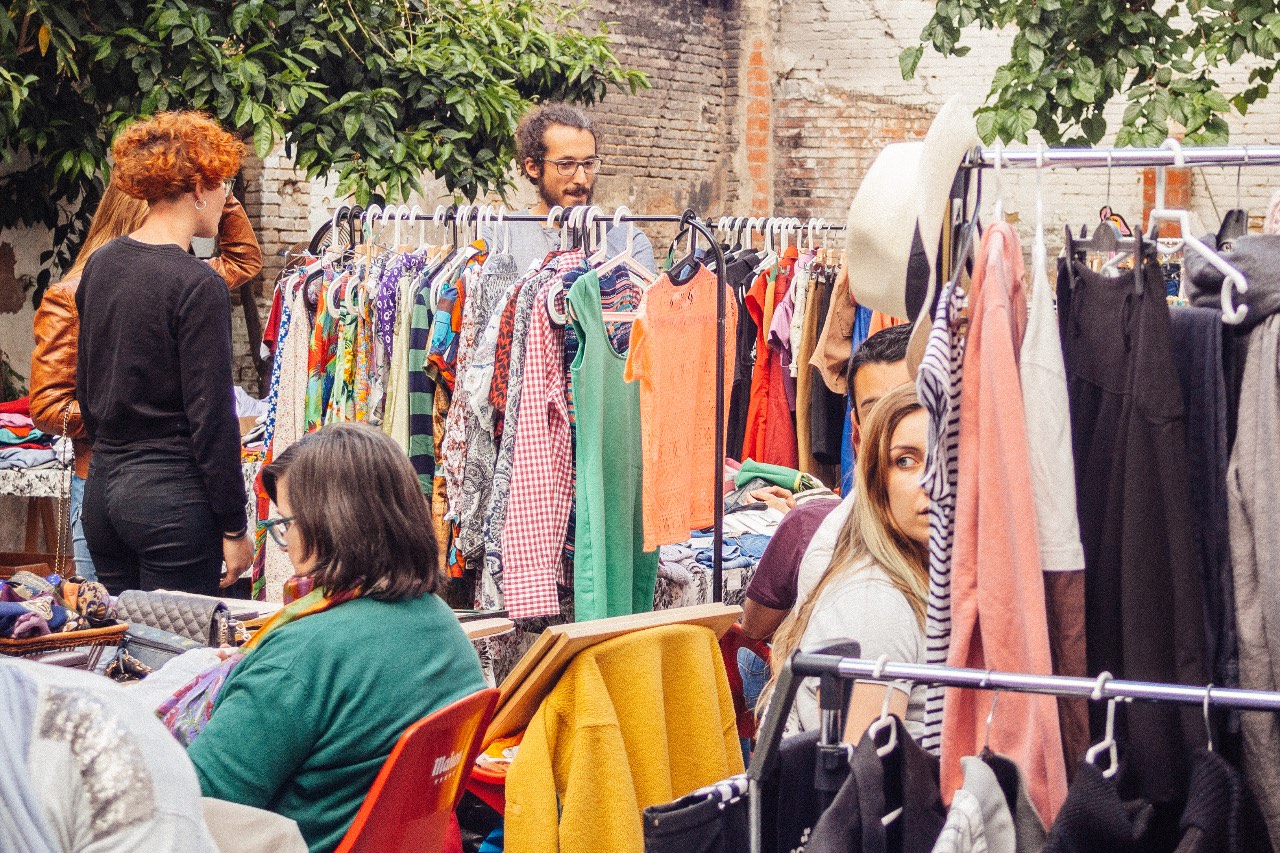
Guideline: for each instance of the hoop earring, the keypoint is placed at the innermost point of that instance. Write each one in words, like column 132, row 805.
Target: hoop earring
column 201, row 205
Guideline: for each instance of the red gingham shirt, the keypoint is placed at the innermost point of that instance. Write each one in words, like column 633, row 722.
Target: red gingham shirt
column 541, row 474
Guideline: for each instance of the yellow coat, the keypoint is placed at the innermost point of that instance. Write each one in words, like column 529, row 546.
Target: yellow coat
column 635, row 721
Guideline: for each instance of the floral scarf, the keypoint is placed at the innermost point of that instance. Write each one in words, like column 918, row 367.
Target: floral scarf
column 188, row 710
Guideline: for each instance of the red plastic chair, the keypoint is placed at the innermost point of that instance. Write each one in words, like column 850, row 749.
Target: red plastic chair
column 410, row 808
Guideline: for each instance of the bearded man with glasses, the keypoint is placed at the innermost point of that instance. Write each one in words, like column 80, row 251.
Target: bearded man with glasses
column 556, row 150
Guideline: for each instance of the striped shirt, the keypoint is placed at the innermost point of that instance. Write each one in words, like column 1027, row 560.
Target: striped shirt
column 938, row 383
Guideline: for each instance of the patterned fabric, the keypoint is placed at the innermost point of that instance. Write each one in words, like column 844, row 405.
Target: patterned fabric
column 503, row 359
column 387, row 299
column 481, row 451
column 939, row 386
column 365, row 362
column 461, row 423
column 421, row 390
column 321, row 354
column 284, row 291
column 447, row 320
column 272, row 567
column 395, row 414
column 342, row 398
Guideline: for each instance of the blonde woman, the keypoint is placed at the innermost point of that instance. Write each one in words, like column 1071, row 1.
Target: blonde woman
column 874, row 591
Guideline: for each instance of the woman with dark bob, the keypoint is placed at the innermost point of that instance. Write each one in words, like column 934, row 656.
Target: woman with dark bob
column 303, row 724
column 164, row 504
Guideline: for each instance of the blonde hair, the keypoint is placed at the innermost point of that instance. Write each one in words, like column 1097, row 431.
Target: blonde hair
column 870, row 531
column 118, row 214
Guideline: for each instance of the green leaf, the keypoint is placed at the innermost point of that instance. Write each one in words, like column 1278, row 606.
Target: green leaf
column 263, row 139
column 986, row 121
column 908, row 60
column 351, row 125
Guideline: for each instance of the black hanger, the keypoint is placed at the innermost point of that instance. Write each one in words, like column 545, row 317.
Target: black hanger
column 1139, row 264
column 682, row 271
column 1234, row 226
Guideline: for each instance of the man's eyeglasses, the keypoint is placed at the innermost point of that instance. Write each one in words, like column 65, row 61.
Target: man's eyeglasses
column 277, row 528
column 569, row 168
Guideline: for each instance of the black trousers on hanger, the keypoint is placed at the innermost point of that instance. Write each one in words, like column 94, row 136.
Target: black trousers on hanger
column 1145, row 617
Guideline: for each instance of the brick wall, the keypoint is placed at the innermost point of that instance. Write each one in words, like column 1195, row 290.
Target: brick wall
column 840, row 97
column 668, row 148
column 277, row 200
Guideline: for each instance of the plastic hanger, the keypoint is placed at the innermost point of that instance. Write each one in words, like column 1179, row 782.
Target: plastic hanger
column 627, row 256
column 1235, row 224
column 1108, row 742
column 884, row 720
column 1208, row 726
column 998, row 212
column 505, row 230
column 1233, row 280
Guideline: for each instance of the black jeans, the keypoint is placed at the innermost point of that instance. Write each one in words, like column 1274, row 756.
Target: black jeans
column 149, row 524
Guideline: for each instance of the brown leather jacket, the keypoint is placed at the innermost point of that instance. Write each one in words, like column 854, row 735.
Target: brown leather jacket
column 57, row 328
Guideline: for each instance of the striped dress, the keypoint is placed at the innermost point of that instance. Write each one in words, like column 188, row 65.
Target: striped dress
column 938, row 383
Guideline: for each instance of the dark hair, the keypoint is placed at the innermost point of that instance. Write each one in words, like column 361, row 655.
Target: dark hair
column 360, row 512
column 887, row 346
column 531, row 132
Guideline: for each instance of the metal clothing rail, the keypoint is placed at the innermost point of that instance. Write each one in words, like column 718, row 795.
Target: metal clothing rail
column 474, row 215
column 835, row 669
column 1057, row 685
column 1173, row 154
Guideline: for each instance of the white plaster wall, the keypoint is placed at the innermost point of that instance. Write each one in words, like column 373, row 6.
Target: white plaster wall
column 853, row 46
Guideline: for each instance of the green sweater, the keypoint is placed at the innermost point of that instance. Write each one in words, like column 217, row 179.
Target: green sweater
column 304, row 723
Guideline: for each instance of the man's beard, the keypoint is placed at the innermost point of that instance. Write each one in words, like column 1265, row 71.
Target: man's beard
column 550, row 202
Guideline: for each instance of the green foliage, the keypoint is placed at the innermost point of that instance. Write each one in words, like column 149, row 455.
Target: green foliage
column 382, row 91
column 1070, row 58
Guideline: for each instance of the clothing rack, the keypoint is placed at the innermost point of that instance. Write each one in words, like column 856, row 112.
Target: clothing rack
column 1171, row 154
column 830, row 667
column 458, row 215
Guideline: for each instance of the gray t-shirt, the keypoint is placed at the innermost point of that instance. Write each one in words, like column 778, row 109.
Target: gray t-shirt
column 531, row 241
column 864, row 605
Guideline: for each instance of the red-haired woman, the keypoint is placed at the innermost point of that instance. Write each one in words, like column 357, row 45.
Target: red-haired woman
column 164, row 502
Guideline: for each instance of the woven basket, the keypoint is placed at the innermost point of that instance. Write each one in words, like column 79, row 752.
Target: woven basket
column 95, row 640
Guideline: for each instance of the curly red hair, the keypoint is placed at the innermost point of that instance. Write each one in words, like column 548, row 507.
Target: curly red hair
column 170, row 153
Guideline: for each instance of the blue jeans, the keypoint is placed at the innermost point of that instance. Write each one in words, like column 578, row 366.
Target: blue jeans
column 80, row 547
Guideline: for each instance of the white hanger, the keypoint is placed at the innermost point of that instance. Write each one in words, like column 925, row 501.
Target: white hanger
column 504, row 230
column 1208, row 727
column 1233, row 280
column 395, row 231
column 998, row 213
column 1108, row 742
column 367, row 221
column 883, row 721
column 460, row 215
column 627, row 256
column 416, row 213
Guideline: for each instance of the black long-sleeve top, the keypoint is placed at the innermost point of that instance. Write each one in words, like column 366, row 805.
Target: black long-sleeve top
column 153, row 370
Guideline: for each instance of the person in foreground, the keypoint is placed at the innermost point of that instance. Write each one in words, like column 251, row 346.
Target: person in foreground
column 304, row 723
column 874, row 589
column 164, row 503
